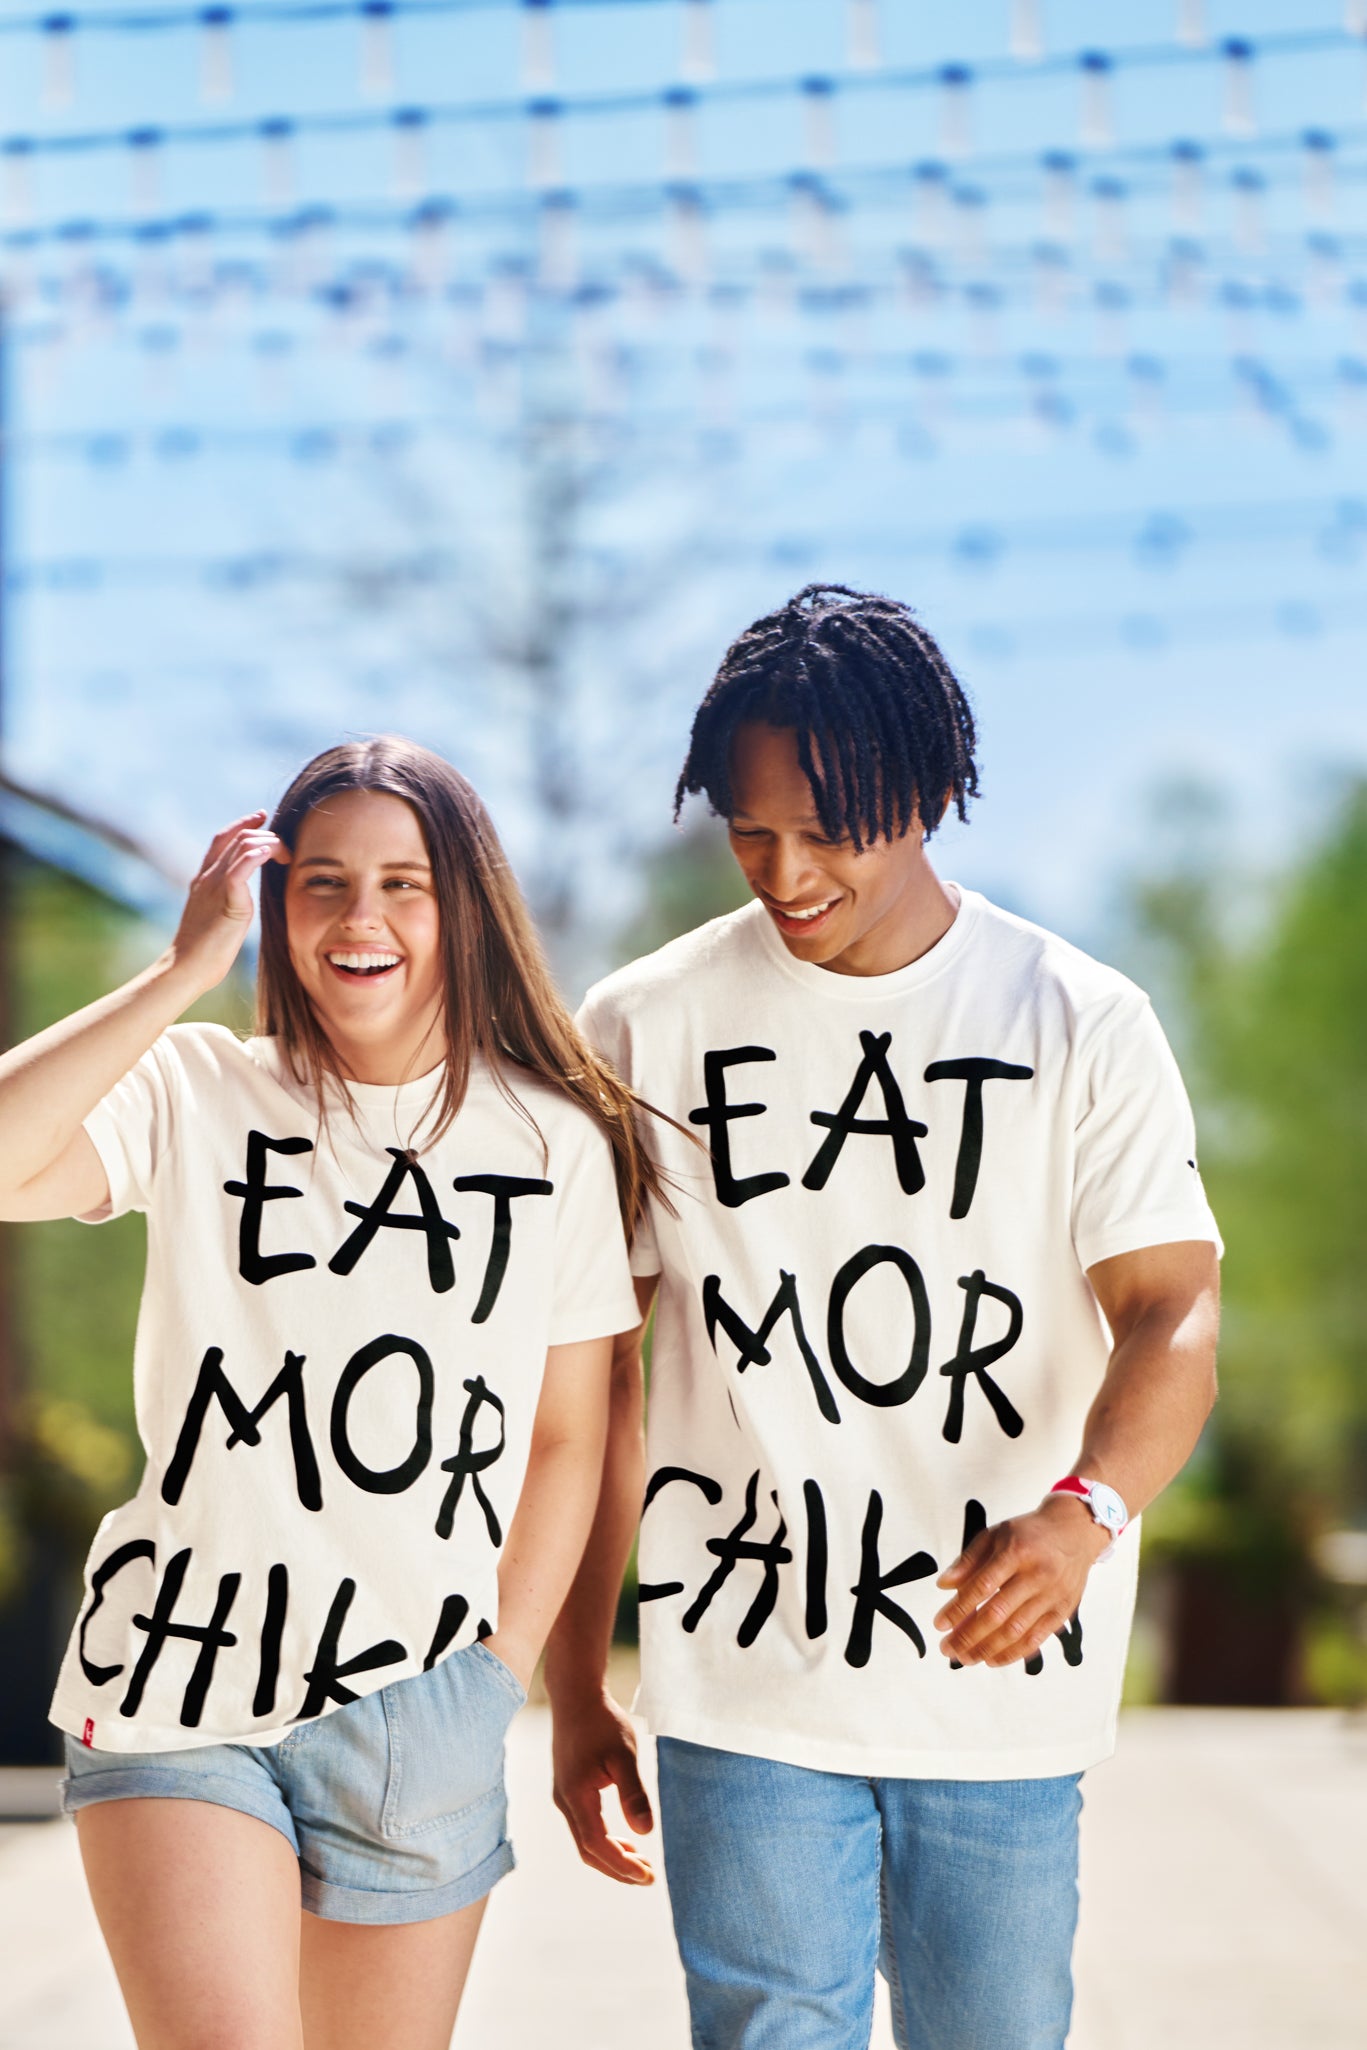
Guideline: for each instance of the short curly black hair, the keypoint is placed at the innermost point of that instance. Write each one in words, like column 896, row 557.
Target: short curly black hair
column 884, row 730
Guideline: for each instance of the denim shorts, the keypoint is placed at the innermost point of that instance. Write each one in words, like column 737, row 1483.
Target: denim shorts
column 393, row 1805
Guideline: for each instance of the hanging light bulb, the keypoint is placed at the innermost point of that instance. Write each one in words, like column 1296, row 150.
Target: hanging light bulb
column 59, row 61
column 687, row 235
column 970, row 224
column 557, row 267
column 216, row 55
column 277, row 150
column 410, row 156
column 681, row 133
column 1319, row 173
column 377, row 48
column 865, row 39
column 1052, row 276
column 984, row 312
column 699, row 57
column 1249, row 225
column 538, row 47
column 931, row 216
column 1060, row 191
column 1096, row 128
column 17, row 151
column 1112, row 305
column 818, row 103
column 815, row 226
column 1027, row 30
column 1192, row 28
column 1109, row 195
column 956, row 83
column 144, row 146
column 1324, row 274
column 433, row 227
column 1184, row 272
column 1188, row 183
column 1239, row 116
column 545, row 170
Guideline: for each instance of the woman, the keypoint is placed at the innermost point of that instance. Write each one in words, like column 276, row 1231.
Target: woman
column 385, row 1264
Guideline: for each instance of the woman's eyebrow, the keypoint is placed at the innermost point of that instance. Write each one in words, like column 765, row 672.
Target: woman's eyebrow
column 335, row 861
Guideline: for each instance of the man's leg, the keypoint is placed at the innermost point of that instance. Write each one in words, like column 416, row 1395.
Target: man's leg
column 773, row 1880
column 979, row 1911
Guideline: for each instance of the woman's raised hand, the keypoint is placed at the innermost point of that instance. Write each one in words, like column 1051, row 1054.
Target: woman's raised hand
column 218, row 911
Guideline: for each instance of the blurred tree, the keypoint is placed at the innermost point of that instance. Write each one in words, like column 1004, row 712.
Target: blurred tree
column 74, row 1307
column 688, row 880
column 1271, row 1020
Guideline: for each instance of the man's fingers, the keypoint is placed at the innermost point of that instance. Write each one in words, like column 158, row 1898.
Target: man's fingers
column 985, row 1584
column 1027, row 1629
column 970, row 1559
column 606, row 1854
column 626, row 1777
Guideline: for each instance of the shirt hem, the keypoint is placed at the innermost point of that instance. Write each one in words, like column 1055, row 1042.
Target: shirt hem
column 1163, row 1228
column 605, row 1323
column 876, row 1761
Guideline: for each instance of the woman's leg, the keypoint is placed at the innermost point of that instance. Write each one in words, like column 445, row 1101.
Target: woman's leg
column 199, row 1906
column 386, row 1986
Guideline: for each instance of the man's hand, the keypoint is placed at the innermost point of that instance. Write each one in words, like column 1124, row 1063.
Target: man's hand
column 595, row 1748
column 1018, row 1582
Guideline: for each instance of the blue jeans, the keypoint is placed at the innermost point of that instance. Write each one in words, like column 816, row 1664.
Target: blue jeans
column 789, row 1887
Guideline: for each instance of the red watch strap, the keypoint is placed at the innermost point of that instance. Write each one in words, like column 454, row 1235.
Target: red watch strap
column 1071, row 1486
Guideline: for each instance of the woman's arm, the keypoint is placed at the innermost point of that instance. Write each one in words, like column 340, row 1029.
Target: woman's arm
column 555, row 1508
column 595, row 1744
column 50, row 1084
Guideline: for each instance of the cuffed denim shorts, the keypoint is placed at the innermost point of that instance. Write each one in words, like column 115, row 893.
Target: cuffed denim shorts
column 393, row 1805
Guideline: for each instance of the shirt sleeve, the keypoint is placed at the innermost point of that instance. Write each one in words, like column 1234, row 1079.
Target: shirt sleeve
column 131, row 1130
column 1136, row 1182
column 593, row 1295
column 603, row 1029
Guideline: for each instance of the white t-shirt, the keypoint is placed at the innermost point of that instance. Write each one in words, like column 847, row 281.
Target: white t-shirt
column 875, row 1331
column 338, row 1360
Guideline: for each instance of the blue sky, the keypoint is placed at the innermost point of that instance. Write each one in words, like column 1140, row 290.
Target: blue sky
column 269, row 478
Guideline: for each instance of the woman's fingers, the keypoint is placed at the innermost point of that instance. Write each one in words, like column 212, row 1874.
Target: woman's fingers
column 251, row 819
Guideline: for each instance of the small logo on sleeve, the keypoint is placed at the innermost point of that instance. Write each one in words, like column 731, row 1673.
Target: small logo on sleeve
column 88, row 1734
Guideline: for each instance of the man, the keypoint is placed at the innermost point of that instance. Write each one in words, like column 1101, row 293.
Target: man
column 936, row 1319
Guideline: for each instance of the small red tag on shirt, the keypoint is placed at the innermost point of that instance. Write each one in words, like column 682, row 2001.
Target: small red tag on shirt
column 88, row 1734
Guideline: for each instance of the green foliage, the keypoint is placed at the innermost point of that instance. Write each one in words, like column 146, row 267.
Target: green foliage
column 688, row 881
column 1271, row 1020
column 75, row 1290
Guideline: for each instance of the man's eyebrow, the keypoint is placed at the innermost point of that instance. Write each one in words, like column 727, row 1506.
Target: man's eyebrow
column 335, row 861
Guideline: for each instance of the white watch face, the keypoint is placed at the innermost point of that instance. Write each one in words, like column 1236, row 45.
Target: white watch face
column 1107, row 1508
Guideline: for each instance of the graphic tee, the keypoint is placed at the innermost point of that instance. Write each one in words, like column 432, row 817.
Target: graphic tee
column 875, row 1333
column 338, row 1359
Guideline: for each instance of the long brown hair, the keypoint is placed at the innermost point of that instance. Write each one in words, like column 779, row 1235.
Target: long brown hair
column 500, row 1001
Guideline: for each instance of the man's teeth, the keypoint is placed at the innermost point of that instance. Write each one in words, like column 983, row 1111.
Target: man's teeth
column 369, row 963
column 812, row 911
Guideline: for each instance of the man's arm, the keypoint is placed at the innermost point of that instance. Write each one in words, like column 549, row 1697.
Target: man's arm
column 1022, row 1579
column 595, row 1745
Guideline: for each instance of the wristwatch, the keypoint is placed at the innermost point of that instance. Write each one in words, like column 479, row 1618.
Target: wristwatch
column 1106, row 1506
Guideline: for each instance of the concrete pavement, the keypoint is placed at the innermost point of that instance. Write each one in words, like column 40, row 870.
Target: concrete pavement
column 1224, row 1908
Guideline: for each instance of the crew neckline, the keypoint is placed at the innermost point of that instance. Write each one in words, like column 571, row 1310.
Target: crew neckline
column 414, row 1094
column 861, row 989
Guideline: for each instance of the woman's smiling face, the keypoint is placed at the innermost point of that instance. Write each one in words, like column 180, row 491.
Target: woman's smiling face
column 364, row 932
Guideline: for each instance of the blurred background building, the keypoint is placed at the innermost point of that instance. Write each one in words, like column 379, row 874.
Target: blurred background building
column 476, row 369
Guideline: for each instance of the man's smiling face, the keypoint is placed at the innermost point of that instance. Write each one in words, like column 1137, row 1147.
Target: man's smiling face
column 835, row 906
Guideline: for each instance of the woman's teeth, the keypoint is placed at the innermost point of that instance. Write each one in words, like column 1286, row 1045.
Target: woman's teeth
column 365, row 964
